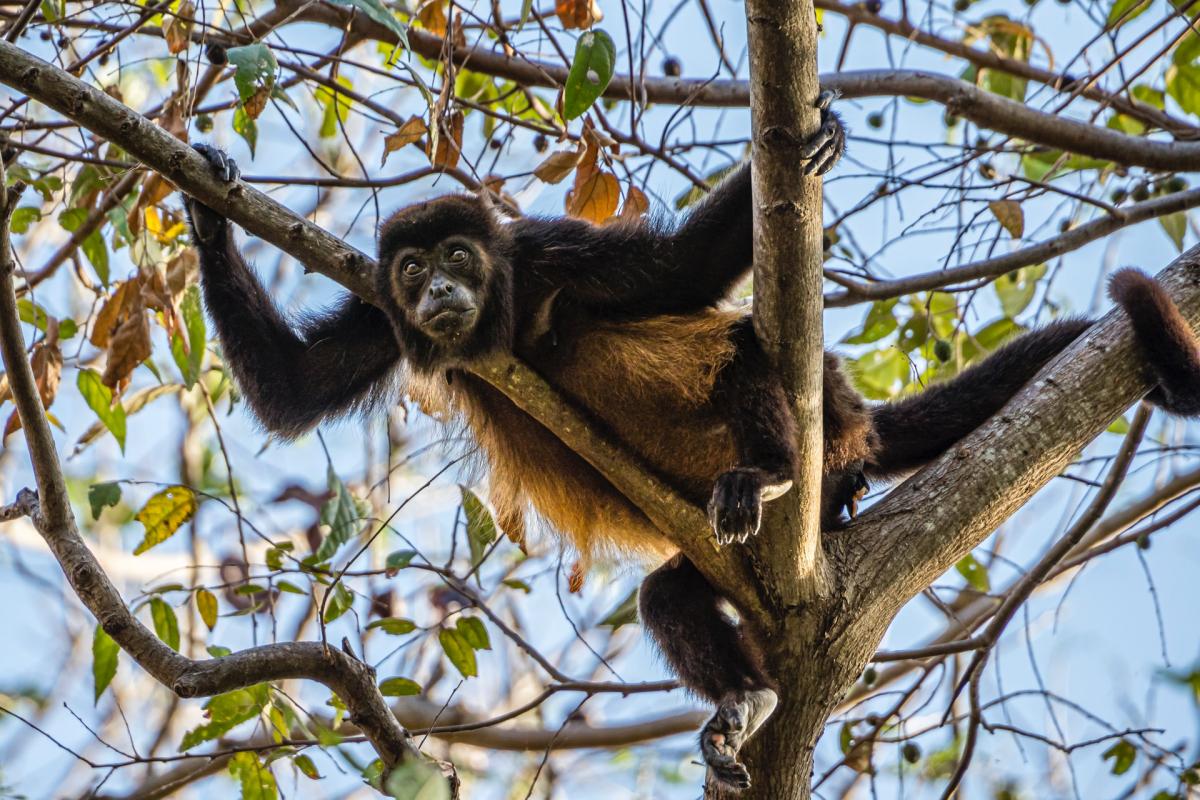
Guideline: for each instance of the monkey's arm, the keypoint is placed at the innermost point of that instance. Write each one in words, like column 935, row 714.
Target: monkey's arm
column 338, row 361
column 643, row 268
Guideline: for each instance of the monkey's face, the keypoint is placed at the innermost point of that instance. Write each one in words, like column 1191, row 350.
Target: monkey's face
column 439, row 289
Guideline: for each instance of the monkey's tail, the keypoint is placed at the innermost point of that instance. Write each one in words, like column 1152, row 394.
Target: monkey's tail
column 1165, row 340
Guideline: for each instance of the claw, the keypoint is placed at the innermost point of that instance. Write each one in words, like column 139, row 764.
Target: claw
column 735, row 721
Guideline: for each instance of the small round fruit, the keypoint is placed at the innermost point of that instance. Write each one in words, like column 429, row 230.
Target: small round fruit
column 672, row 67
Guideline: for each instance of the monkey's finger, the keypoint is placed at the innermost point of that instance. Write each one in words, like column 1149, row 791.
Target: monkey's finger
column 826, row 97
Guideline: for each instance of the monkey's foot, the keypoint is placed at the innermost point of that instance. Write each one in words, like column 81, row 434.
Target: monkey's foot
column 207, row 225
column 735, row 510
column 824, row 149
column 737, row 718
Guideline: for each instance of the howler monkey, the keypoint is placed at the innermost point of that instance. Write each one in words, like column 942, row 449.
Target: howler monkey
column 623, row 319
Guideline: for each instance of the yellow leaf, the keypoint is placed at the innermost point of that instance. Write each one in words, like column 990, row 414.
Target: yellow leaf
column 206, row 604
column 636, row 204
column 432, row 17
column 596, row 198
column 163, row 514
column 1010, row 215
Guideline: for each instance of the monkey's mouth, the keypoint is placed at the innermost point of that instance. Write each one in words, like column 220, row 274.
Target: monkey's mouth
column 449, row 323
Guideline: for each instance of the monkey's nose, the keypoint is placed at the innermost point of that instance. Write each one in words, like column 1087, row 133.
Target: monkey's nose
column 441, row 290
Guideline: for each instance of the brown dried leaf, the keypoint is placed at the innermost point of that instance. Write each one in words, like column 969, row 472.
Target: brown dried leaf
column 575, row 579
column 636, row 204
column 596, row 198
column 47, row 364
column 409, row 133
column 449, row 142
column 1010, row 215
column 110, row 315
column 558, row 165
column 578, row 13
column 182, row 271
column 128, row 346
column 256, row 102
column 432, row 17
column 177, row 30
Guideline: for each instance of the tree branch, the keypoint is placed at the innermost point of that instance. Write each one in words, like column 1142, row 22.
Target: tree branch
column 788, row 280
column 858, row 292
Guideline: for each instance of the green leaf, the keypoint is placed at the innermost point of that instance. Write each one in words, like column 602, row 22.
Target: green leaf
column 481, row 527
column 460, row 653
column 376, row 10
column 1183, row 84
column 99, row 399
column 1121, row 12
column 217, row 651
column 695, row 194
column 254, row 777
column 190, row 360
column 626, row 612
column 1120, row 426
column 32, row 314
column 1122, row 754
column 306, row 766
column 164, row 514
column 417, row 780
column 591, row 70
column 399, row 687
column 975, row 573
column 227, row 711
column 104, row 661
column 206, row 604
column 398, row 560
column 340, row 513
column 474, row 633
column 166, row 625
column 246, row 127
column 518, row 584
column 255, row 69
column 102, row 496
column 1176, row 227
column 396, row 626
column 23, row 217
column 339, row 604
column 288, row 586
column 880, row 321
column 1016, row 289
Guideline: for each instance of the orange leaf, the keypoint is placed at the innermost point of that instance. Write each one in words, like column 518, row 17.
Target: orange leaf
column 578, row 13
column 596, row 198
column 449, row 142
column 177, row 29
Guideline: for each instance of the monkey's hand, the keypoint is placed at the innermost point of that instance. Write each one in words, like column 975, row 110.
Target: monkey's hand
column 824, row 149
column 209, row 227
column 735, row 510
column 738, row 716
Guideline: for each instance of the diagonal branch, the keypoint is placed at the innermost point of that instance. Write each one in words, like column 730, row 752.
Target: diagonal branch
column 50, row 510
column 924, row 526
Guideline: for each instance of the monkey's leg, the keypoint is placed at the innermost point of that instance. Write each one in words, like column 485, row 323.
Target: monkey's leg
column 713, row 657
column 749, row 397
column 917, row 429
column 1164, row 339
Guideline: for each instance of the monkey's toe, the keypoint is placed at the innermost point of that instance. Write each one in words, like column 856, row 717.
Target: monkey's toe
column 223, row 166
column 735, row 510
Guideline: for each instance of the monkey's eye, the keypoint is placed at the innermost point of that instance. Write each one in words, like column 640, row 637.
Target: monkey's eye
column 413, row 268
column 459, row 256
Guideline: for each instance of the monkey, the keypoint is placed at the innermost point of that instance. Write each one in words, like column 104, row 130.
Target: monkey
column 627, row 321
